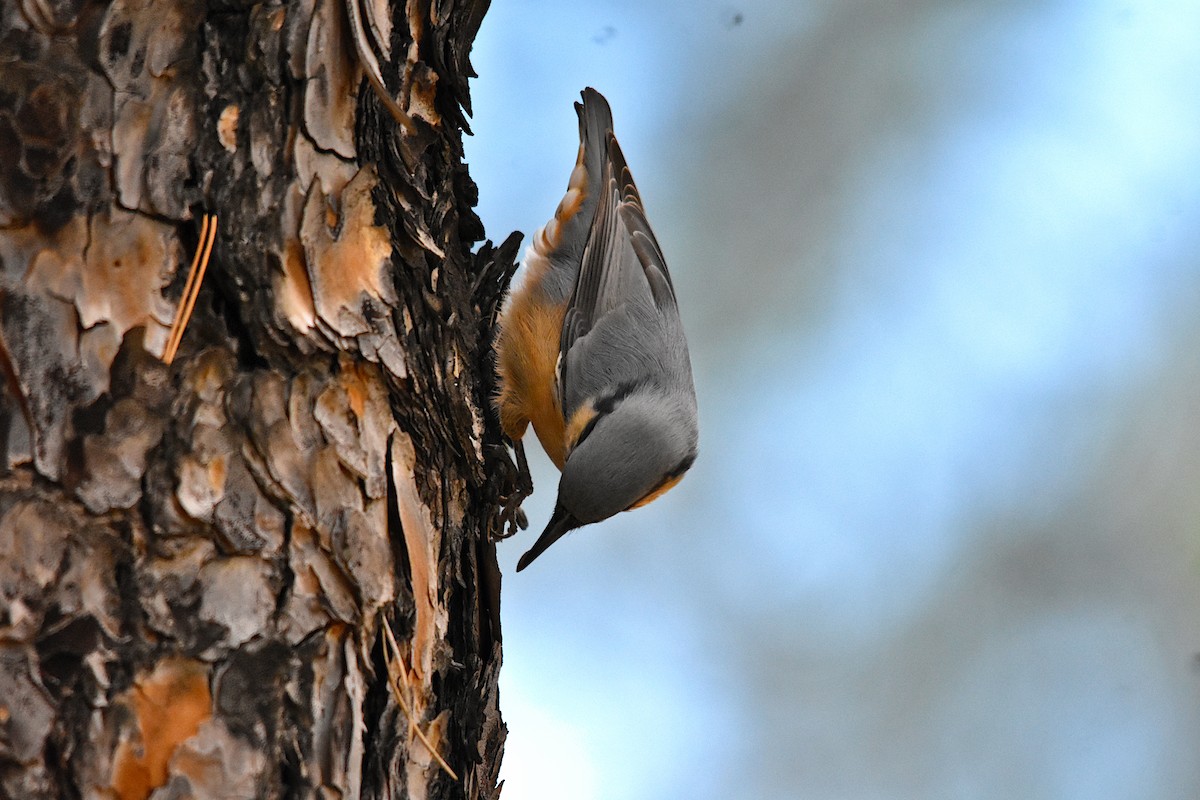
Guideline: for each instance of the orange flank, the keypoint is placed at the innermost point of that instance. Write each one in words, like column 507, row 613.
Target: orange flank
column 527, row 353
column 530, row 331
column 662, row 489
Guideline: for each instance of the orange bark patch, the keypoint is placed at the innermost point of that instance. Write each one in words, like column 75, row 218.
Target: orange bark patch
column 293, row 292
column 354, row 381
column 227, row 127
column 423, row 540
column 342, row 270
column 332, row 76
column 169, row 705
column 113, row 270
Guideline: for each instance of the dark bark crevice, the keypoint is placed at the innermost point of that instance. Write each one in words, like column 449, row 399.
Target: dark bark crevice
column 203, row 554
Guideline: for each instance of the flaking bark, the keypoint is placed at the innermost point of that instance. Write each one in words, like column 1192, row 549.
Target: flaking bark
column 198, row 558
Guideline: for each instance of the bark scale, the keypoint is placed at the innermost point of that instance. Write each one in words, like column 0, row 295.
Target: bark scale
column 199, row 560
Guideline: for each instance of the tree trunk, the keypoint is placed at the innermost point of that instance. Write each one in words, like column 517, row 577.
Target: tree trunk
column 203, row 563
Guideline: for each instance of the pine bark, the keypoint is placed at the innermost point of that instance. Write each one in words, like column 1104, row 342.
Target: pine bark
column 202, row 561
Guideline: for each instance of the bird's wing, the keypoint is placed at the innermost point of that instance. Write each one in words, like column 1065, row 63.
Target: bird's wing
column 623, row 298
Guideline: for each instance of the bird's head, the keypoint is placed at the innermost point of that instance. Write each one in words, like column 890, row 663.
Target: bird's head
column 627, row 454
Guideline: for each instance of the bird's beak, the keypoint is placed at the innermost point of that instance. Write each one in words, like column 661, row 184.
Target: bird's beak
column 561, row 521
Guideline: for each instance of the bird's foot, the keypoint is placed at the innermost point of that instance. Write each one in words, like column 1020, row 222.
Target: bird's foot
column 512, row 516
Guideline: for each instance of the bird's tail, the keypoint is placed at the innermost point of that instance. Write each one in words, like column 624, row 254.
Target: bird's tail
column 595, row 124
column 563, row 237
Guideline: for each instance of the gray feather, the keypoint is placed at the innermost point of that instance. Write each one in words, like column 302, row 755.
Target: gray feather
column 622, row 347
column 622, row 323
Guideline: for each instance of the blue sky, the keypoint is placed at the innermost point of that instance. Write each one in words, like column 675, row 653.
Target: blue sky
column 939, row 264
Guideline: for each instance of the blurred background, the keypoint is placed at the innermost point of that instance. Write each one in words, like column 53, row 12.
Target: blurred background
column 939, row 262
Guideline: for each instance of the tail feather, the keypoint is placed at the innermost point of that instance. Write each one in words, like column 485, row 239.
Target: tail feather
column 595, row 124
column 566, row 233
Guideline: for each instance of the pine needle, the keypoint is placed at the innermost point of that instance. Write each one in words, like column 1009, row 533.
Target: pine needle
column 400, row 673
column 191, row 289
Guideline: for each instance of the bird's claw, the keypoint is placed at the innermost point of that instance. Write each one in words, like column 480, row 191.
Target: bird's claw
column 512, row 516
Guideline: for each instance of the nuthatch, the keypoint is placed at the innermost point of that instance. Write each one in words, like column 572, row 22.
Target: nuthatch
column 591, row 348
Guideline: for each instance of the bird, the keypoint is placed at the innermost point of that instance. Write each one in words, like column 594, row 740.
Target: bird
column 590, row 346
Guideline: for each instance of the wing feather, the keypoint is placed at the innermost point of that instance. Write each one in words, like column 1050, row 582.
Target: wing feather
column 623, row 302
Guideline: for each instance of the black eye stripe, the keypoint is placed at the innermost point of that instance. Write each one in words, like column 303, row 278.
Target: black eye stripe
column 606, row 404
column 681, row 467
column 587, row 429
